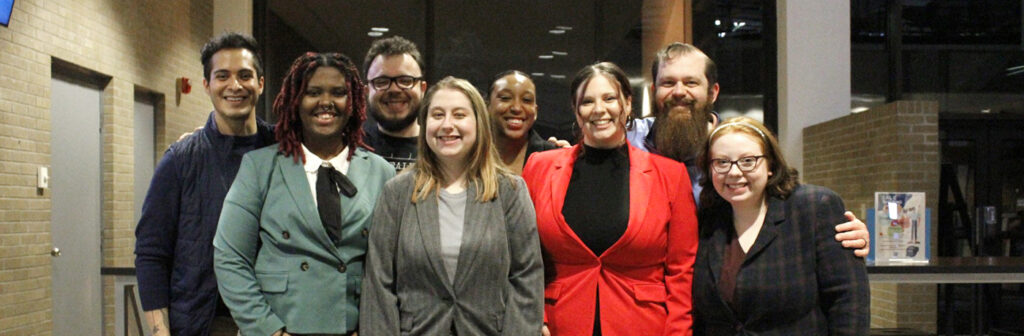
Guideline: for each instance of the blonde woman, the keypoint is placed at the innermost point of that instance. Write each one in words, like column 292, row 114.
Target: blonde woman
column 453, row 245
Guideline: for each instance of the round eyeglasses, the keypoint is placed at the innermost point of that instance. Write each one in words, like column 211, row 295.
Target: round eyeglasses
column 404, row 82
column 746, row 164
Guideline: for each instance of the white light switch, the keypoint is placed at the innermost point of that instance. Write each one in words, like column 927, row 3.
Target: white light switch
column 43, row 177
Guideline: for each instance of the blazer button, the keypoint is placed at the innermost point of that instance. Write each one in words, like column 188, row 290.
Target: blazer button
column 286, row 235
column 304, row 266
column 366, row 232
column 342, row 268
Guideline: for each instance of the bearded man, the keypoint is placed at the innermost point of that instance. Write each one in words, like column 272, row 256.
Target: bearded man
column 395, row 82
column 685, row 90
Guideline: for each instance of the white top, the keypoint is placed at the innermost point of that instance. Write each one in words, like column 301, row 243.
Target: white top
column 313, row 163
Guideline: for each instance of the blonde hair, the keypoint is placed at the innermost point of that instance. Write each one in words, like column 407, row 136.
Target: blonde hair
column 483, row 168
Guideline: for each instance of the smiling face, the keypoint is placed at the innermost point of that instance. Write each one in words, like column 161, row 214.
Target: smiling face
column 739, row 188
column 513, row 106
column 450, row 127
column 601, row 113
column 234, row 86
column 394, row 108
column 324, row 108
column 682, row 87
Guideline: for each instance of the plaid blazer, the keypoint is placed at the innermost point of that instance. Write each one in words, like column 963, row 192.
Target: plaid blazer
column 795, row 280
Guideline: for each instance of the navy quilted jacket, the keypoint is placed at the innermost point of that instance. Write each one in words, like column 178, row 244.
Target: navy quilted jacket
column 174, row 237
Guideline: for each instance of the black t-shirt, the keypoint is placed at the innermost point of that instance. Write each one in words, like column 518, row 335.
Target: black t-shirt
column 399, row 152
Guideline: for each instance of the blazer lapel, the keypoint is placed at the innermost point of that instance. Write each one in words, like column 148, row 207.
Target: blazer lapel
column 298, row 187
column 473, row 231
column 769, row 230
column 641, row 182
column 556, row 190
column 427, row 222
column 720, row 237
column 716, row 252
column 359, row 175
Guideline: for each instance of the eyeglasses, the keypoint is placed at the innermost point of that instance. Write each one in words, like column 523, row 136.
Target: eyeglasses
column 746, row 164
column 404, row 82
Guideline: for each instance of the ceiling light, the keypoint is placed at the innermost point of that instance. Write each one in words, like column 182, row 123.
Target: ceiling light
column 375, row 34
column 545, row 56
column 557, row 76
column 556, row 31
column 380, row 29
column 718, row 22
column 563, row 27
column 559, row 53
column 537, row 74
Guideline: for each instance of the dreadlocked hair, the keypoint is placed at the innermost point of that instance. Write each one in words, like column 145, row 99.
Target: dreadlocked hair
column 286, row 106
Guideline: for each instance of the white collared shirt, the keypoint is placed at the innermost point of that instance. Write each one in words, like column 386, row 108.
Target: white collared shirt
column 339, row 162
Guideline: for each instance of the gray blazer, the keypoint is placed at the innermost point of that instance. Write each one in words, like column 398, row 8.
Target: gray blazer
column 499, row 281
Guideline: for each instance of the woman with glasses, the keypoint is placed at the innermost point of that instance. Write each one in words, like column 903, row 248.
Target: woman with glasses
column 768, row 262
column 617, row 224
column 512, row 103
column 453, row 246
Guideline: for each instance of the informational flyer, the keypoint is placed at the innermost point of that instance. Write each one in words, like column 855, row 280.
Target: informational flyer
column 901, row 231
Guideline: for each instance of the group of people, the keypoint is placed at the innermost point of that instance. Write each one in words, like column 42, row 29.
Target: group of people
column 487, row 229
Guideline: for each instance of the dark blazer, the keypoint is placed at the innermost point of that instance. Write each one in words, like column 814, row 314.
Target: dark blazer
column 499, row 279
column 275, row 264
column 536, row 144
column 644, row 278
column 796, row 278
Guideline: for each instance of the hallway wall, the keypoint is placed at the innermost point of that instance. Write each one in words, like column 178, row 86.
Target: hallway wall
column 140, row 45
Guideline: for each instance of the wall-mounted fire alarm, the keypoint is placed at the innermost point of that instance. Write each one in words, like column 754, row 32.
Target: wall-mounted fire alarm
column 184, row 86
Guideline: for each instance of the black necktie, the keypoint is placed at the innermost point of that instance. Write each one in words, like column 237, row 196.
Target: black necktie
column 328, row 200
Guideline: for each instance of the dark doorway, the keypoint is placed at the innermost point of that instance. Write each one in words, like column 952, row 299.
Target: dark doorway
column 983, row 161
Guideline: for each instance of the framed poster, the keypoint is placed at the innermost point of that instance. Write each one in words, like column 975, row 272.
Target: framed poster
column 901, row 228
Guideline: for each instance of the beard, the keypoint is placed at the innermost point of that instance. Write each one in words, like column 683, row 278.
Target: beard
column 387, row 122
column 681, row 129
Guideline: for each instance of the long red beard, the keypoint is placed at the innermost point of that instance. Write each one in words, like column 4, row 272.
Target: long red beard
column 681, row 132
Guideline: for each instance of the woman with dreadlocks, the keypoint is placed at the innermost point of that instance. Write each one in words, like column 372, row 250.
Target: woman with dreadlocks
column 291, row 239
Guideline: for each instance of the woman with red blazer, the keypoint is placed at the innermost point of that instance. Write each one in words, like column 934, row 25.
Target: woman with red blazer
column 617, row 225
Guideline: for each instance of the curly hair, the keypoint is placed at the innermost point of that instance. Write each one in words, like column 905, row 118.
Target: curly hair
column 286, row 106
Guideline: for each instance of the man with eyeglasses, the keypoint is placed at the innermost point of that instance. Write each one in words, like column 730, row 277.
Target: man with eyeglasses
column 394, row 76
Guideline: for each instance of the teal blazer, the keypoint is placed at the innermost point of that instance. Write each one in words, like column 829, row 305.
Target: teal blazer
column 275, row 265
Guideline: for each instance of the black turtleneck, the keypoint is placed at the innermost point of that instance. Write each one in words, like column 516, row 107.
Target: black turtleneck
column 597, row 201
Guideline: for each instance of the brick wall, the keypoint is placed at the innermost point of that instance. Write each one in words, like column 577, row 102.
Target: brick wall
column 893, row 147
column 146, row 43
